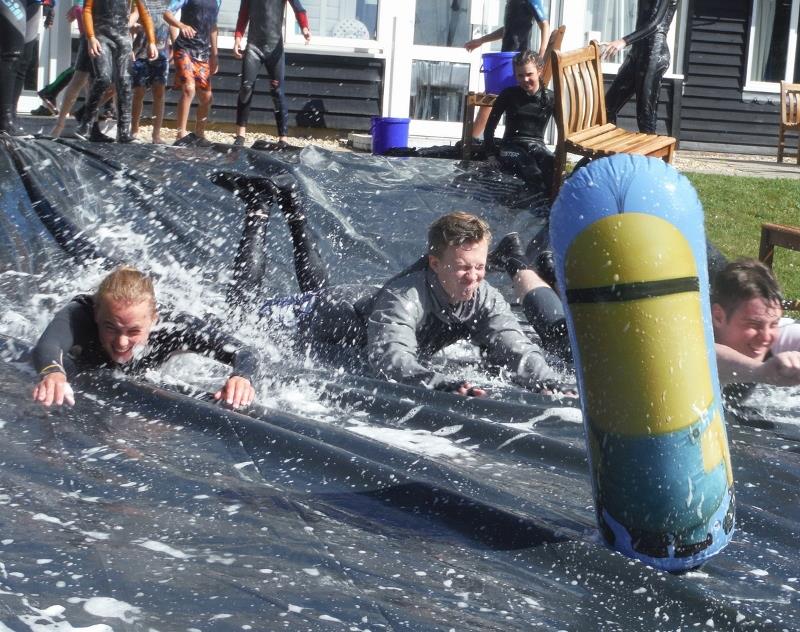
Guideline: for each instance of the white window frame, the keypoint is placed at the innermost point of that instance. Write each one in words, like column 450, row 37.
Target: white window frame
column 771, row 87
column 378, row 47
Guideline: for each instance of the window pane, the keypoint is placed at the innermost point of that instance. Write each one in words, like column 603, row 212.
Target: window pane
column 352, row 19
column 608, row 20
column 771, row 22
column 441, row 22
column 438, row 89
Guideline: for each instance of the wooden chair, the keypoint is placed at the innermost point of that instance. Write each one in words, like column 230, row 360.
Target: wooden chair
column 779, row 235
column 790, row 116
column 483, row 99
column 580, row 111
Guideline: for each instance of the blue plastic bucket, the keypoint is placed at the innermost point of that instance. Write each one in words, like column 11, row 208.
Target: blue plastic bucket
column 499, row 71
column 388, row 133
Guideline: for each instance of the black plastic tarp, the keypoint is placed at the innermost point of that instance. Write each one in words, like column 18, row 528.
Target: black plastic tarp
column 337, row 502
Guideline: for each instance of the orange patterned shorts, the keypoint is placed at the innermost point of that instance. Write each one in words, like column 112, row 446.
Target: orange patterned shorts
column 190, row 70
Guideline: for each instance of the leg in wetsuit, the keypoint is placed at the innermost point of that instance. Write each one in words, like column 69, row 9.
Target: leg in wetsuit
column 112, row 66
column 274, row 63
column 644, row 67
column 12, row 41
column 28, row 58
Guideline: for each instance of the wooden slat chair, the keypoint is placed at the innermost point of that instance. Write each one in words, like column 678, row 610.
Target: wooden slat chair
column 779, row 235
column 790, row 116
column 580, row 111
column 483, row 99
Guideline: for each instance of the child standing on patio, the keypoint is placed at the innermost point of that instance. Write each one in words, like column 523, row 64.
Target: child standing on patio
column 195, row 56
column 264, row 46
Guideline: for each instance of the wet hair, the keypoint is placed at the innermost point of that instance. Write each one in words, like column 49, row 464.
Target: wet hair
column 741, row 281
column 126, row 284
column 526, row 56
column 455, row 229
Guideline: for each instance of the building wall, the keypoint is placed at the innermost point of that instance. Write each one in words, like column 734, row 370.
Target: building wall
column 714, row 113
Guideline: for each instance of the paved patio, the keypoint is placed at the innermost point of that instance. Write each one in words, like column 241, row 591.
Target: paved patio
column 737, row 165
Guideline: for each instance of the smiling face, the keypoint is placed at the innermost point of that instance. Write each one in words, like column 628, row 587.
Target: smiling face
column 750, row 328
column 460, row 269
column 527, row 77
column 123, row 327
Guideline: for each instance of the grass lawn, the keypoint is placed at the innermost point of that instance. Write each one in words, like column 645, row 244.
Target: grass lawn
column 735, row 207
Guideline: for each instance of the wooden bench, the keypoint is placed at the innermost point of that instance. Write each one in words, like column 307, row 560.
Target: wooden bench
column 790, row 116
column 580, row 111
column 474, row 100
column 779, row 235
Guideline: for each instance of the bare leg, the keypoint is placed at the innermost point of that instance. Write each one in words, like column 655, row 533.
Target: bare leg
column 524, row 281
column 136, row 108
column 204, row 98
column 480, row 121
column 184, row 105
column 158, row 111
column 71, row 93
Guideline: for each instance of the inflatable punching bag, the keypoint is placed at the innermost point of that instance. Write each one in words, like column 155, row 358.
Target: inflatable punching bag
column 627, row 234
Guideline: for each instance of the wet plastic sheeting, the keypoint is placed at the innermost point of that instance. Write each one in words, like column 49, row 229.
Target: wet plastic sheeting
column 338, row 502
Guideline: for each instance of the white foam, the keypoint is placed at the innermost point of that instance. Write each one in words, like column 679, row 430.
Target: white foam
column 160, row 547
column 110, row 608
column 417, row 441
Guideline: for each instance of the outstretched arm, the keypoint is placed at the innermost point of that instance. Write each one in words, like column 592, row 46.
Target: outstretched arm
column 489, row 37
column 781, row 369
column 646, row 30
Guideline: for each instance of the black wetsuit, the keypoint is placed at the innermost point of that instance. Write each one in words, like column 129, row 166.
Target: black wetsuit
column 107, row 20
column 523, row 151
column 18, row 21
column 265, row 47
column 645, row 64
column 70, row 343
column 518, row 23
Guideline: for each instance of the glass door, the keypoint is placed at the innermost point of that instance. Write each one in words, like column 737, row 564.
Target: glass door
column 441, row 70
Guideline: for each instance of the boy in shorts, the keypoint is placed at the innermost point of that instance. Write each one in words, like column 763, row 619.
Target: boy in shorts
column 195, row 57
column 150, row 74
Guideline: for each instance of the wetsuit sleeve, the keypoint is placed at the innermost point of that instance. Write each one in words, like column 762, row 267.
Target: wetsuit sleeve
column 205, row 337
column 498, row 331
column 392, row 341
column 498, row 109
column 64, row 331
column 243, row 19
column 648, row 29
column 299, row 13
column 539, row 10
column 146, row 21
column 88, row 21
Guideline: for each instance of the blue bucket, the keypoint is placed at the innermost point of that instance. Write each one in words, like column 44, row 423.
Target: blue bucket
column 388, row 133
column 499, row 71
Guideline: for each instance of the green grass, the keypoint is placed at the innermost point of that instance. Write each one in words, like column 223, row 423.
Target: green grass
column 735, row 207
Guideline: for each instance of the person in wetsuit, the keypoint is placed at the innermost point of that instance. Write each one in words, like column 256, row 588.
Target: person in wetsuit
column 645, row 64
column 119, row 327
column 440, row 299
column 108, row 42
column 528, row 107
column 516, row 35
column 19, row 37
column 264, row 47
column 195, row 55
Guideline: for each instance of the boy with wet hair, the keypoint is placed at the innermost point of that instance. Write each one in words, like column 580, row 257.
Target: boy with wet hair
column 195, row 56
column 528, row 107
column 264, row 47
column 118, row 327
column 754, row 343
column 108, row 42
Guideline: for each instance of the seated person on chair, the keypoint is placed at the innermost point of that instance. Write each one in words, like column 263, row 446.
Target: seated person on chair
column 439, row 300
column 528, row 107
column 118, row 327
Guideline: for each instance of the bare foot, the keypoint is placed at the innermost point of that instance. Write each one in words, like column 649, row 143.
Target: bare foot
column 157, row 140
column 57, row 129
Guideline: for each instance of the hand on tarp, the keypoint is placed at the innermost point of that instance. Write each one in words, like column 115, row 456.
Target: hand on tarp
column 52, row 389
column 237, row 392
column 465, row 388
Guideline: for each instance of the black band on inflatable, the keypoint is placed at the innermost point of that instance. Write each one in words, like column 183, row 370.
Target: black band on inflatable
column 633, row 291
